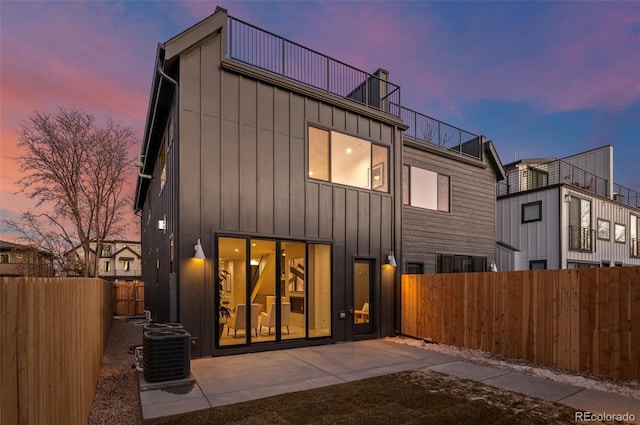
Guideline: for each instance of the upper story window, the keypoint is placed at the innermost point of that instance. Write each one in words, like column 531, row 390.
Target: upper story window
column 344, row 159
column 634, row 231
column 536, row 178
column 107, row 266
column 163, row 165
column 580, row 233
column 126, row 265
column 106, row 250
column 4, row 258
column 619, row 233
column 604, row 229
column 425, row 189
column 532, row 212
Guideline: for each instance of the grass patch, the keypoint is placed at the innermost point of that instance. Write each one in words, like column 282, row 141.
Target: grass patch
column 412, row 397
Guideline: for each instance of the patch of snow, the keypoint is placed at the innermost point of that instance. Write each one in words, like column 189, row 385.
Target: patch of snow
column 580, row 379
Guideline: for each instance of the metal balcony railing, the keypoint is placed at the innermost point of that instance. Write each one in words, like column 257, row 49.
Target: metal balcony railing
column 426, row 129
column 267, row 51
column 581, row 239
column 635, row 248
column 548, row 174
column 626, row 196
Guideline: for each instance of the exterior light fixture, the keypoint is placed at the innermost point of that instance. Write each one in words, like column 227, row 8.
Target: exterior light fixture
column 567, row 197
column 392, row 260
column 199, row 252
column 162, row 224
column 493, row 267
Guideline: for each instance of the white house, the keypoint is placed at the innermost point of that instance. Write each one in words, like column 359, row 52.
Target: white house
column 566, row 213
column 118, row 260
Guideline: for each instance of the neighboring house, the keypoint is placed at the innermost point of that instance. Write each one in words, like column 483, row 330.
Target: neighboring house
column 566, row 213
column 21, row 260
column 285, row 168
column 118, row 260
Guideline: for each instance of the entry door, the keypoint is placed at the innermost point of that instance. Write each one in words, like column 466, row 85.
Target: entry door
column 363, row 297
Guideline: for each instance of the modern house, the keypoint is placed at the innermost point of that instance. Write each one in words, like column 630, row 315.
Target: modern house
column 20, row 260
column 118, row 260
column 566, row 213
column 292, row 190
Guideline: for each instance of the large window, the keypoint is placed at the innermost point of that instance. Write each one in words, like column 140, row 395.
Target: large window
column 287, row 285
column 344, row 159
column 425, row 189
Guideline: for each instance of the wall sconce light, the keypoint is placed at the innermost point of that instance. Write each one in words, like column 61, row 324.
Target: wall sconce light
column 162, row 224
column 567, row 197
column 199, row 252
column 392, row 260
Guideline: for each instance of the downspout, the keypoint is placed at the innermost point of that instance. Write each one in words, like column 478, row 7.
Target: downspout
column 139, row 163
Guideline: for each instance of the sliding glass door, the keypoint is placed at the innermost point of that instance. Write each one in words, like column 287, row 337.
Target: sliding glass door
column 276, row 290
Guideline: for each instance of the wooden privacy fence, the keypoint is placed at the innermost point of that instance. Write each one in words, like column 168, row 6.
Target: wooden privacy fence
column 128, row 298
column 581, row 320
column 53, row 333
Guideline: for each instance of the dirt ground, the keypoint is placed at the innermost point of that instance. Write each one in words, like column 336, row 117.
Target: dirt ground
column 117, row 399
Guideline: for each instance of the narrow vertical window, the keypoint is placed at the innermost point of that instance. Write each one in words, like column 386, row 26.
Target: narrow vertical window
column 406, row 184
column 379, row 168
column 163, row 165
column 318, row 154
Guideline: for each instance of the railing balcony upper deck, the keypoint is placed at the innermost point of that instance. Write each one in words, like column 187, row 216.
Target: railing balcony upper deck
column 264, row 50
column 549, row 174
column 426, row 129
column 256, row 47
column 561, row 172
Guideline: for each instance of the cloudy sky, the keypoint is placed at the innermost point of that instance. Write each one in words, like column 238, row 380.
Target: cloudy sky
column 538, row 78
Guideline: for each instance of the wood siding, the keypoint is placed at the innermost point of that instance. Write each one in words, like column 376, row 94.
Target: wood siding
column 468, row 229
column 580, row 320
column 54, row 332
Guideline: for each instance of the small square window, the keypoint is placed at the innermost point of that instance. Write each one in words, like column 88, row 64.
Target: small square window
column 532, row 212
column 604, row 230
column 415, row 268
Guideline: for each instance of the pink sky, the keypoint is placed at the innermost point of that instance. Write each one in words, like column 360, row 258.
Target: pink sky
column 451, row 59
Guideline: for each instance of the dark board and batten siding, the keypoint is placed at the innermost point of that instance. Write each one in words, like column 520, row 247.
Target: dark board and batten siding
column 243, row 171
column 468, row 229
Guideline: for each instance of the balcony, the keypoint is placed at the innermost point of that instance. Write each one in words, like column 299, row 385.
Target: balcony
column 548, row 174
column 425, row 129
column 581, row 239
column 261, row 49
column 269, row 52
column 626, row 196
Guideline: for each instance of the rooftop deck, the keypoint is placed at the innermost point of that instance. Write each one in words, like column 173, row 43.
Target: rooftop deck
column 536, row 176
column 269, row 52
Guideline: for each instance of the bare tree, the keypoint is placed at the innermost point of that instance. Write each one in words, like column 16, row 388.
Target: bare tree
column 76, row 171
